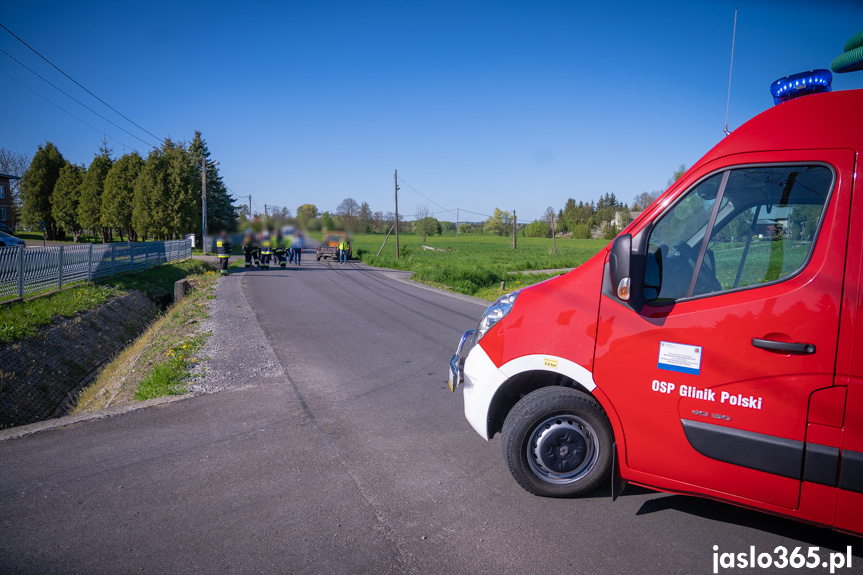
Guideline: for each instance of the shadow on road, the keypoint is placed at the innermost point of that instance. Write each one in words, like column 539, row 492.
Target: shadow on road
column 731, row 514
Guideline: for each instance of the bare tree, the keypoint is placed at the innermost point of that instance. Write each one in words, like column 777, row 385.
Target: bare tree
column 348, row 211
column 550, row 217
column 14, row 164
column 643, row 200
column 365, row 217
column 422, row 220
column 379, row 222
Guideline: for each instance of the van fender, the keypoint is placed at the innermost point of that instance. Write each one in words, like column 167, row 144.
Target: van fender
column 483, row 381
column 480, row 398
column 550, row 363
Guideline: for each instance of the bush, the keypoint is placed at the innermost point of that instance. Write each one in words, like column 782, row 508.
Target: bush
column 537, row 229
column 581, row 232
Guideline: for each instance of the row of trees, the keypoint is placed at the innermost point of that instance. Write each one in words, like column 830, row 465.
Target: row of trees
column 353, row 216
column 158, row 197
column 601, row 218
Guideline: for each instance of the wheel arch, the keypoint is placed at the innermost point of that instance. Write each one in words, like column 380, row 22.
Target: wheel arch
column 523, row 383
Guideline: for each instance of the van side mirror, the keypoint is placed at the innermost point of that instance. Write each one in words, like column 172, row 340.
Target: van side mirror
column 620, row 267
column 653, row 274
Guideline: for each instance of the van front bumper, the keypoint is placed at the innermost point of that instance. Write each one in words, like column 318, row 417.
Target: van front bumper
column 471, row 369
column 456, row 362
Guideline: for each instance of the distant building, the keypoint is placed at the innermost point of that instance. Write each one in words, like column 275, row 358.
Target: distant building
column 7, row 214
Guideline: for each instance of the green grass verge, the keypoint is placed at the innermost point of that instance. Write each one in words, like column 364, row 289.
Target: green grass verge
column 173, row 345
column 513, row 282
column 158, row 362
column 160, row 279
column 169, row 376
column 20, row 320
column 475, row 264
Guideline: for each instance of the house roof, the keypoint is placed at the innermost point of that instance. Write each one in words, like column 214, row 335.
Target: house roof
column 10, row 177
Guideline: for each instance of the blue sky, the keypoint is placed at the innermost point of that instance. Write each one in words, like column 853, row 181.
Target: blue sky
column 517, row 105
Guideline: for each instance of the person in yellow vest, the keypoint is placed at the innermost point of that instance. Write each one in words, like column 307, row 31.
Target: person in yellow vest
column 266, row 250
column 223, row 250
column 343, row 251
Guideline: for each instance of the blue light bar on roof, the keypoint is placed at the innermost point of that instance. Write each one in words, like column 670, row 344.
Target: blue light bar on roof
column 801, row 84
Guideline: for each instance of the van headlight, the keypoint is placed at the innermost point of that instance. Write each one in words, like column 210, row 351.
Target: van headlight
column 494, row 313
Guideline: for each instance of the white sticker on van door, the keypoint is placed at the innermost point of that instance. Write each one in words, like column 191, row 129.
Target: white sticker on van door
column 679, row 357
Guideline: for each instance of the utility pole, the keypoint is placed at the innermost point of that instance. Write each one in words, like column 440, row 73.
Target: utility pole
column 396, row 178
column 456, row 224
column 265, row 215
column 250, row 207
column 204, row 203
column 514, row 228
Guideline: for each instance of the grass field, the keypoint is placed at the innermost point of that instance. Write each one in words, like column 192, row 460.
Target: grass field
column 475, row 264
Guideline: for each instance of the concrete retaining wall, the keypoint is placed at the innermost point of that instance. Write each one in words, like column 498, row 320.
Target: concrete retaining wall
column 39, row 375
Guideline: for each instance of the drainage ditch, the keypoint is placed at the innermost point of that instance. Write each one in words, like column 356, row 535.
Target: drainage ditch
column 40, row 376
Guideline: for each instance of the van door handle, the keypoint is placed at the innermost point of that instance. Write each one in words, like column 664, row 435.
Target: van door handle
column 784, row 346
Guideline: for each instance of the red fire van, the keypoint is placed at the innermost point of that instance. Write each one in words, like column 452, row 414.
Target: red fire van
column 712, row 348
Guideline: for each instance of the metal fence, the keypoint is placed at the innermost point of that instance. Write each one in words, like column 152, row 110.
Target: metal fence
column 25, row 271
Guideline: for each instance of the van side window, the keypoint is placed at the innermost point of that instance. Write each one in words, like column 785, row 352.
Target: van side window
column 671, row 257
column 762, row 231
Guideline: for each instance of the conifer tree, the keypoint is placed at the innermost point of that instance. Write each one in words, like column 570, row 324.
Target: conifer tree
column 90, row 208
column 36, row 187
column 221, row 213
column 119, row 194
column 65, row 199
column 182, row 196
column 145, row 204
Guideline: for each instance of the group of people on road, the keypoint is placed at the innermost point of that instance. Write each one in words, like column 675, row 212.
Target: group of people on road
column 262, row 249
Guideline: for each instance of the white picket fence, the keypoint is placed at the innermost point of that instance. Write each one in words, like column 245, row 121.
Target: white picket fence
column 25, row 270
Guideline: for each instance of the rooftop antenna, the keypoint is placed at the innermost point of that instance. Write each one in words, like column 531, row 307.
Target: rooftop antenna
column 730, row 69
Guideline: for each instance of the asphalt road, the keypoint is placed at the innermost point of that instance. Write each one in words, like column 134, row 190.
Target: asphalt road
column 353, row 458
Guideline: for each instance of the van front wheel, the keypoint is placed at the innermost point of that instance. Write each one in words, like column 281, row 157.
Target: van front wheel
column 557, row 442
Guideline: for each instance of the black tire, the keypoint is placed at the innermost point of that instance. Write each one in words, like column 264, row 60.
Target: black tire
column 319, row 257
column 557, row 442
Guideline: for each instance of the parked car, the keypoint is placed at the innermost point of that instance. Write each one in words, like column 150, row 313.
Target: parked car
column 329, row 248
column 10, row 240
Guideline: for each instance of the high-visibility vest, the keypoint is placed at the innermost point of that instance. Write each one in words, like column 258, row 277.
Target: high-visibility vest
column 266, row 247
column 223, row 248
column 343, row 246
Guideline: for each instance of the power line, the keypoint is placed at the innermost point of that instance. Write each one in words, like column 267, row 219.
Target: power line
column 443, row 209
column 475, row 213
column 71, row 97
column 80, row 86
column 64, row 110
column 423, row 195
